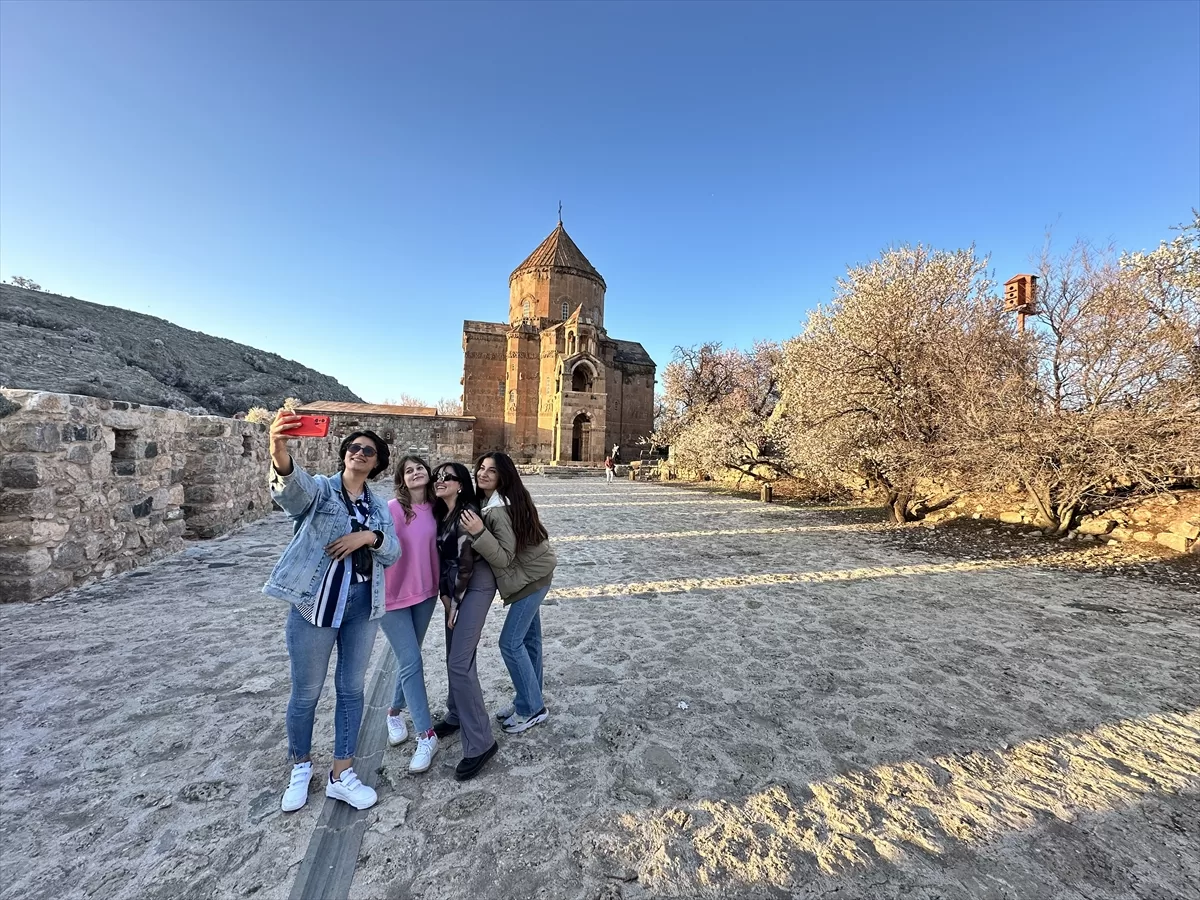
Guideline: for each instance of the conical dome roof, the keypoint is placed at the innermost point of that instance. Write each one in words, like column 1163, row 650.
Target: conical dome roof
column 558, row 252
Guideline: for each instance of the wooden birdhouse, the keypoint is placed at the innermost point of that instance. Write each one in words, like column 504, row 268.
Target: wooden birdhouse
column 1020, row 296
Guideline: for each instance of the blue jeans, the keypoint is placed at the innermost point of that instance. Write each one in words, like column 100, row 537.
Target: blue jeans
column 405, row 630
column 309, row 648
column 521, row 647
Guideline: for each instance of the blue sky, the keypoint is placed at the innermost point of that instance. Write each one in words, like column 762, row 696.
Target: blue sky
column 274, row 173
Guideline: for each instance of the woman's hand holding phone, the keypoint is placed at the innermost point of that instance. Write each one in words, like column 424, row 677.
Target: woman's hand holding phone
column 284, row 423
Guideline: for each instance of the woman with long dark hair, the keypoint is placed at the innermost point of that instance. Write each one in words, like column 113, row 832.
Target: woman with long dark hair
column 412, row 590
column 332, row 572
column 466, row 586
column 517, row 546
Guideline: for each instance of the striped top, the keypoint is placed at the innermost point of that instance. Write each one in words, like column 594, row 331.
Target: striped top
column 330, row 602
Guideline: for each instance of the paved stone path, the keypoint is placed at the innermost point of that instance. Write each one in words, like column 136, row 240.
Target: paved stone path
column 746, row 701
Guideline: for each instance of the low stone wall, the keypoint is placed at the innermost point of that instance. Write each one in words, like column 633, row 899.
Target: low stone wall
column 92, row 487
column 435, row 438
column 225, row 478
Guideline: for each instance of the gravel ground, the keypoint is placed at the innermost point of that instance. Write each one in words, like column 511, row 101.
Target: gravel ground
column 747, row 701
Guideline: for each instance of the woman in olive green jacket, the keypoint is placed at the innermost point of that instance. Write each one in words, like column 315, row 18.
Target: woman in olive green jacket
column 511, row 537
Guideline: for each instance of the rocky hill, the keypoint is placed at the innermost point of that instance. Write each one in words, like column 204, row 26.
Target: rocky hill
column 54, row 343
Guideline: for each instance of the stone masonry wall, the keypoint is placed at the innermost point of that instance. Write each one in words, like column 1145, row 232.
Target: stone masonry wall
column 436, row 438
column 91, row 487
column 485, row 352
column 225, row 478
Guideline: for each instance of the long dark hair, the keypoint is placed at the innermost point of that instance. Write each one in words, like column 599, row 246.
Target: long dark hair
column 383, row 453
column 466, row 497
column 527, row 525
column 402, row 492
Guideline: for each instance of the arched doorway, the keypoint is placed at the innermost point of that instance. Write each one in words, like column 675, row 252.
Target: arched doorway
column 581, row 438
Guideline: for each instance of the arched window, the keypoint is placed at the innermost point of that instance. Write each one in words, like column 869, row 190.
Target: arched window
column 566, row 310
column 581, row 379
column 525, row 309
column 571, row 344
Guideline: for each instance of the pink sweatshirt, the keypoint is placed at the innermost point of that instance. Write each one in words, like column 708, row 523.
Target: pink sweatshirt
column 414, row 577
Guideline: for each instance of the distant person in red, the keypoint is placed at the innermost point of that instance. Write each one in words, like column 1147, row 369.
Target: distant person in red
column 609, row 469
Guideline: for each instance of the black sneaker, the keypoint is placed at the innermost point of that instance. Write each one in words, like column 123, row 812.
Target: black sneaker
column 469, row 767
column 444, row 729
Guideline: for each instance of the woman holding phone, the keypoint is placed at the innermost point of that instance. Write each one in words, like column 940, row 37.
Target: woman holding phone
column 332, row 573
column 412, row 591
column 517, row 546
column 467, row 587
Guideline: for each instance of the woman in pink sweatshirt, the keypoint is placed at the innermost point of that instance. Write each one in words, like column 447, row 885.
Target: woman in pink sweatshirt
column 412, row 588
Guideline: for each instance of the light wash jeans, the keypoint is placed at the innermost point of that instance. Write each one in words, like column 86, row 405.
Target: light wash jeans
column 405, row 630
column 309, row 648
column 521, row 647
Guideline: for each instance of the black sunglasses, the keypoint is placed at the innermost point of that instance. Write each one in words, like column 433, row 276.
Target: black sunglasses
column 366, row 450
column 446, row 476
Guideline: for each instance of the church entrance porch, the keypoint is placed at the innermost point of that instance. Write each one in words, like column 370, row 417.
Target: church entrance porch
column 581, row 438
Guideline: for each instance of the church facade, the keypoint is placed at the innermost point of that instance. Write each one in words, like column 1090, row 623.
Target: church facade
column 550, row 385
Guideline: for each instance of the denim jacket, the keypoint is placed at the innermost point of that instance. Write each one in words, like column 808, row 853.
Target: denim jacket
column 319, row 517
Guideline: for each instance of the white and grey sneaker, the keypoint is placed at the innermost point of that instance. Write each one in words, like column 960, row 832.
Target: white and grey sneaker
column 507, row 713
column 296, row 794
column 423, row 755
column 397, row 730
column 351, row 790
column 516, row 724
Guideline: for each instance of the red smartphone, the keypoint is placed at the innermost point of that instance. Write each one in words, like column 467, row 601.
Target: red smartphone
column 311, row 426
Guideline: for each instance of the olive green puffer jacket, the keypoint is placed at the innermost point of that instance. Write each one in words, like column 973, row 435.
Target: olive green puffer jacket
column 517, row 574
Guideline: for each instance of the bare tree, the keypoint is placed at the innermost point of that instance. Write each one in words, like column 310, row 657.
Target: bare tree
column 1113, row 403
column 1168, row 280
column 715, row 410
column 880, row 382
column 406, row 399
column 28, row 283
column 450, row 406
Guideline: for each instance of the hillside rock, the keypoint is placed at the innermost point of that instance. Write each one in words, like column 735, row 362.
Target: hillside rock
column 61, row 344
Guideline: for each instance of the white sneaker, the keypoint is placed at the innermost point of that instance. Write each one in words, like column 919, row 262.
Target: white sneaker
column 296, row 794
column 397, row 730
column 351, row 790
column 423, row 756
column 507, row 713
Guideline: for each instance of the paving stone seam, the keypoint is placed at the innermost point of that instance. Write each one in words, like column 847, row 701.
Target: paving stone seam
column 327, row 870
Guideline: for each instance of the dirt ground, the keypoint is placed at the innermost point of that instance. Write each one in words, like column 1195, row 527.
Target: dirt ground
column 747, row 701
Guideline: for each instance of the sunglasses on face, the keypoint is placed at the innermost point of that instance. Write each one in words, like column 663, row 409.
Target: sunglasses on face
column 366, row 451
column 445, row 476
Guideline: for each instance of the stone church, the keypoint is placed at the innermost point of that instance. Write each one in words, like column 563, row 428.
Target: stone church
column 549, row 384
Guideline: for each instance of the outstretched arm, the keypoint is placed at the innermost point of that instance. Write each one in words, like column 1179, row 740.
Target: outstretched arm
column 291, row 487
